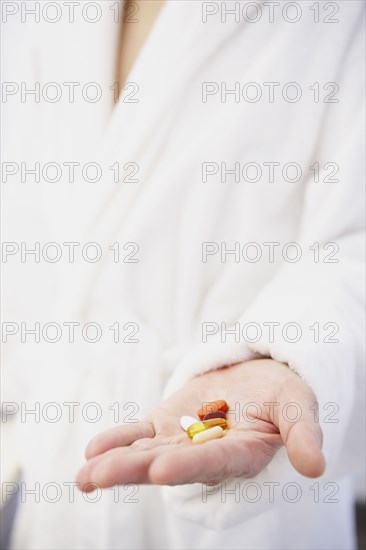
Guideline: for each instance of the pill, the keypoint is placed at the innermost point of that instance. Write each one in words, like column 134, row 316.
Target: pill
column 211, row 422
column 219, row 405
column 199, row 427
column 208, row 435
column 215, row 414
column 187, row 421
column 195, row 428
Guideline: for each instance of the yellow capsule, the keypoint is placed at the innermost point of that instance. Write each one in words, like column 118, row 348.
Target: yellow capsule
column 207, row 435
column 199, row 427
column 222, row 422
column 195, row 428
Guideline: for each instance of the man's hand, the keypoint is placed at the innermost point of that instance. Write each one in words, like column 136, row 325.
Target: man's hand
column 158, row 451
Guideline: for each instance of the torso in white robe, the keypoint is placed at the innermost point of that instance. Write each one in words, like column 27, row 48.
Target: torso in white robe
column 168, row 135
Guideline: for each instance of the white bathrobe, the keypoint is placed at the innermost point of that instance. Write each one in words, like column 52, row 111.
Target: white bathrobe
column 170, row 293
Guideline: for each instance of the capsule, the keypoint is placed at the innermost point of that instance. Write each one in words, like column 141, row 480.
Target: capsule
column 195, row 428
column 204, row 425
column 215, row 414
column 213, row 406
column 207, row 435
column 212, row 422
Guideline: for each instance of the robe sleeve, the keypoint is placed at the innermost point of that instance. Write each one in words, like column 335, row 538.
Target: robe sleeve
column 325, row 293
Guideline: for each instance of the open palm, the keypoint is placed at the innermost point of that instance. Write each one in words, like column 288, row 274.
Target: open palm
column 269, row 406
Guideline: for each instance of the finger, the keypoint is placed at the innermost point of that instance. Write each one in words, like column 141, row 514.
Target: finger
column 304, row 450
column 118, row 466
column 300, row 430
column 115, row 468
column 118, row 437
column 85, row 478
column 235, row 455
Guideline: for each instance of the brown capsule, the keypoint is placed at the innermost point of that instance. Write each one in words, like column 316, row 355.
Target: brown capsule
column 213, row 406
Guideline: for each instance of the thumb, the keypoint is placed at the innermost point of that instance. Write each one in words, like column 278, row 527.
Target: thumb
column 300, row 429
